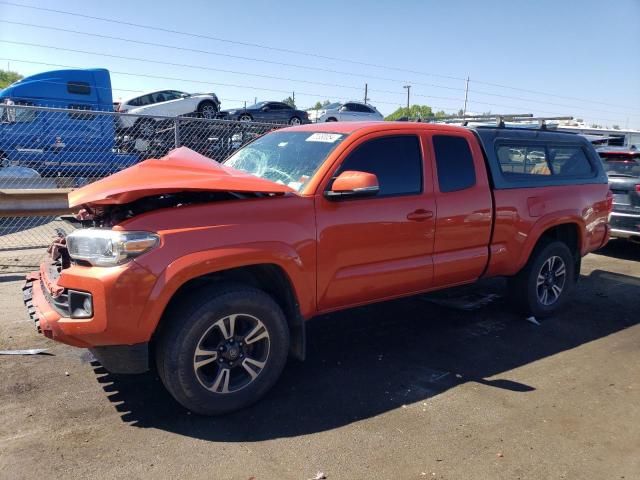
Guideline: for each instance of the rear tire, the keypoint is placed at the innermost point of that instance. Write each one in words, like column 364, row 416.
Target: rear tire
column 222, row 350
column 331, row 119
column 245, row 117
column 295, row 121
column 544, row 285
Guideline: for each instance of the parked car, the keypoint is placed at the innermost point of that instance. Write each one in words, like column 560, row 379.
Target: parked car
column 218, row 266
column 623, row 168
column 61, row 143
column 268, row 112
column 345, row 112
column 166, row 103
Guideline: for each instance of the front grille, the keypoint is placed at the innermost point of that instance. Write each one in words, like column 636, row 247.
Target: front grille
column 59, row 303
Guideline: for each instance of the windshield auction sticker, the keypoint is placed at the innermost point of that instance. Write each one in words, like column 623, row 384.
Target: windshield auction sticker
column 324, row 137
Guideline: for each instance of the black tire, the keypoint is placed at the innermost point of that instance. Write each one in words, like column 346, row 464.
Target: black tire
column 332, row 119
column 528, row 294
column 245, row 117
column 295, row 120
column 207, row 109
column 188, row 324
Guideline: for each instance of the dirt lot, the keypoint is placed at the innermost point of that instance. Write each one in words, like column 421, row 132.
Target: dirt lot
column 401, row 390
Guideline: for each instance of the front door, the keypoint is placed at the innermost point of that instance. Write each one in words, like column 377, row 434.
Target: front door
column 377, row 247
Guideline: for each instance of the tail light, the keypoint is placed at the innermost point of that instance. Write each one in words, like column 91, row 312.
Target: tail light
column 637, row 188
column 610, row 200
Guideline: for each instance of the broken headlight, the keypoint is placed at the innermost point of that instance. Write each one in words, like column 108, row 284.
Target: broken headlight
column 106, row 248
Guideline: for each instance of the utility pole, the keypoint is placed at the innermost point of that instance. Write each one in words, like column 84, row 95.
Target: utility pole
column 408, row 87
column 466, row 95
column 255, row 100
column 293, row 97
column 366, row 90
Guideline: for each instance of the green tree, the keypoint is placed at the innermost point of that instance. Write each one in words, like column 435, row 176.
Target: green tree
column 289, row 101
column 7, row 77
column 320, row 105
column 616, row 127
column 414, row 112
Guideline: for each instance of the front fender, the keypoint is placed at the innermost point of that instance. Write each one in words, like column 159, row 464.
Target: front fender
column 188, row 267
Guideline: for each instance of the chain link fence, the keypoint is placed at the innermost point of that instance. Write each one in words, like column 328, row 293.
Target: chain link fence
column 54, row 148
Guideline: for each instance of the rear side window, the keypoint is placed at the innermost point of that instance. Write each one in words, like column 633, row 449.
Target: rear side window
column 569, row 162
column 396, row 161
column 79, row 88
column 523, row 160
column 454, row 161
column 558, row 161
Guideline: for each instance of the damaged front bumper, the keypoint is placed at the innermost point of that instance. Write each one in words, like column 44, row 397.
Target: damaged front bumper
column 112, row 332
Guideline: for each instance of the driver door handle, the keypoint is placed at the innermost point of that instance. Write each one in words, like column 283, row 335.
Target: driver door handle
column 420, row 215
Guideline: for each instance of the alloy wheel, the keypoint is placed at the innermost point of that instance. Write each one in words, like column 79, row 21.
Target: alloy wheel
column 231, row 353
column 551, row 280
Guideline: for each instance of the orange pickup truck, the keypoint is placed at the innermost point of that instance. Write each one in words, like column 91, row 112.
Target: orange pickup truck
column 209, row 271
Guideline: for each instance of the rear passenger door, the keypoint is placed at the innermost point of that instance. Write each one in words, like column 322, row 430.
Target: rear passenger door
column 464, row 205
column 377, row 247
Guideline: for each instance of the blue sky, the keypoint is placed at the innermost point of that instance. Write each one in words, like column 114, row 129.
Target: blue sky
column 581, row 56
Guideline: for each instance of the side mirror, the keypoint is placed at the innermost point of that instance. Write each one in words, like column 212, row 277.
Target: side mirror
column 265, row 108
column 184, row 95
column 351, row 183
column 342, row 109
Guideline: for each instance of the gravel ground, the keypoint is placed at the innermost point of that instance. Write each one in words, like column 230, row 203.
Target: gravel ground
column 408, row 389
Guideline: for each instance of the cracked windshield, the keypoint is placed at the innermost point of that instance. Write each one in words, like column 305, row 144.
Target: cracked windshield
column 288, row 158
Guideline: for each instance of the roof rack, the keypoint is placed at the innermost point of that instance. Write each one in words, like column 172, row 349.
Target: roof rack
column 500, row 119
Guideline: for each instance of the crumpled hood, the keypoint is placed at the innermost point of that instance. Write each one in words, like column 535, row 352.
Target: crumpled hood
column 181, row 170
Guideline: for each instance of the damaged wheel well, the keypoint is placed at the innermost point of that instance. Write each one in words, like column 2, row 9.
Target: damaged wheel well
column 269, row 278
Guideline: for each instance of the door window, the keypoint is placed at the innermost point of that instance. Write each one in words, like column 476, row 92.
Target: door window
column 396, row 161
column 456, row 170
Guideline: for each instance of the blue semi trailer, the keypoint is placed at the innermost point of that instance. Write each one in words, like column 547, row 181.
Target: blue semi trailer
column 61, row 143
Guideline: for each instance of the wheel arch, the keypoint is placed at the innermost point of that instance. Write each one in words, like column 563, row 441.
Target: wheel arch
column 207, row 100
column 569, row 232
column 271, row 278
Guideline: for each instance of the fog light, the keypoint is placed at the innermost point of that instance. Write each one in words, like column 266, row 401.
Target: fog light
column 80, row 304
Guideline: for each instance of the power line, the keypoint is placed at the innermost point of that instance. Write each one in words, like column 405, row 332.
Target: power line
column 160, row 77
column 189, row 80
column 225, row 40
column 201, row 67
column 219, row 54
column 297, row 52
column 174, row 47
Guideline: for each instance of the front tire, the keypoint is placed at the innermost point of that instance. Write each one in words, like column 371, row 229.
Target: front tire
column 295, row 121
column 543, row 287
column 223, row 350
column 245, row 117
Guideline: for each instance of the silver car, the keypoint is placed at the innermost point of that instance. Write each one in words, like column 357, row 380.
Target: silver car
column 345, row 112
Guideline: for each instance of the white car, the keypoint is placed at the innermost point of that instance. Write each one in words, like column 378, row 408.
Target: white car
column 167, row 103
column 345, row 112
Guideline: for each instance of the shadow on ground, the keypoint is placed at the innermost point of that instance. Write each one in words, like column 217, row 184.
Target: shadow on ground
column 367, row 361
column 621, row 249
